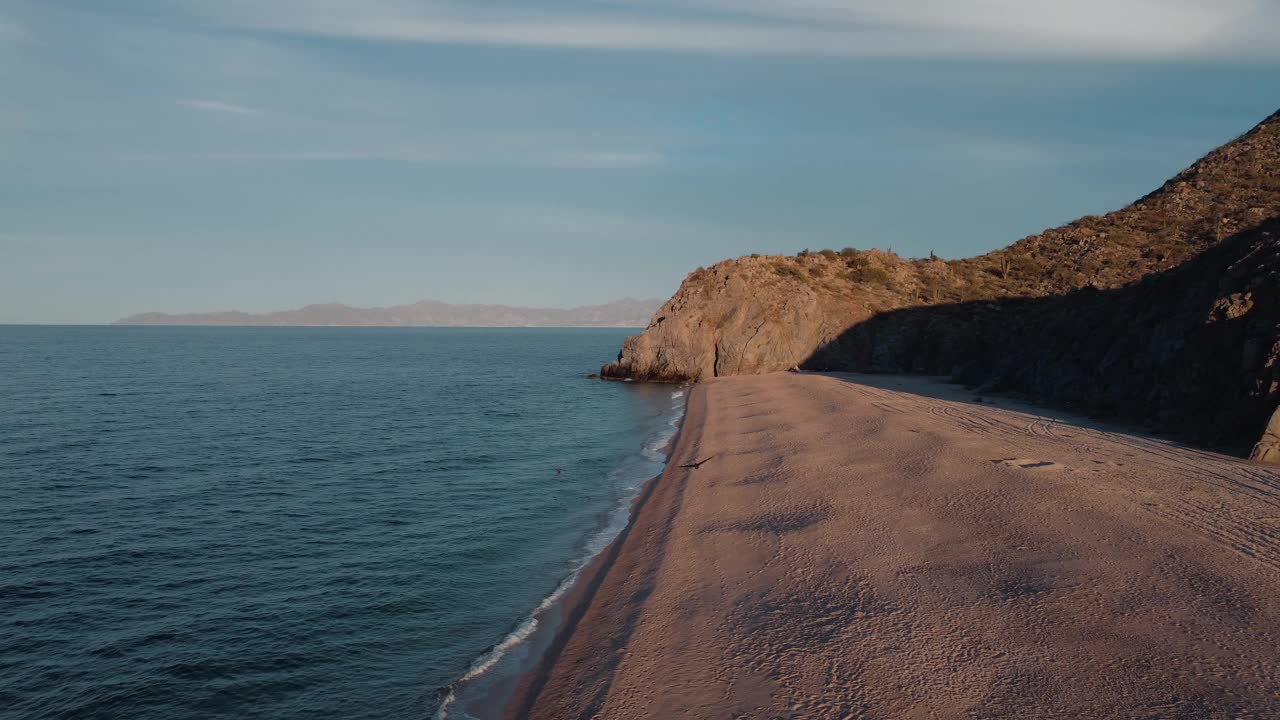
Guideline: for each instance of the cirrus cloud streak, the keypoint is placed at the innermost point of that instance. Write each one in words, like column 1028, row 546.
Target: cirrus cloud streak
column 1086, row 29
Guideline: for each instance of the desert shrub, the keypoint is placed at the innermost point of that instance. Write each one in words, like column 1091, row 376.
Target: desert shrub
column 1067, row 277
column 1021, row 266
column 868, row 275
column 1089, row 265
column 849, row 252
column 933, row 287
column 828, row 254
column 1125, row 238
column 857, row 261
column 1269, row 183
column 965, row 273
column 816, row 271
column 786, row 270
column 969, row 293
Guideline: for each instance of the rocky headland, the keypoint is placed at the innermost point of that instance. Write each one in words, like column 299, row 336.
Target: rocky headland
column 1165, row 312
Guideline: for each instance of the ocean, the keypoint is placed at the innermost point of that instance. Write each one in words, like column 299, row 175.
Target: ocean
column 299, row 522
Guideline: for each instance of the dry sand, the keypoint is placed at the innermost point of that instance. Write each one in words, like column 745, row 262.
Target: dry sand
column 885, row 547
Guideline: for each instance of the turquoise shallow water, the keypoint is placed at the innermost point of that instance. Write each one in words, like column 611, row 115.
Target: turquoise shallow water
column 296, row 522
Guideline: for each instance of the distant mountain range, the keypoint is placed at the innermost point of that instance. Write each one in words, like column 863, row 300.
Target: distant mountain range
column 627, row 312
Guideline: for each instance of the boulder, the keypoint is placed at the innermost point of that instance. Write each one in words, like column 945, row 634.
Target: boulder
column 1268, row 448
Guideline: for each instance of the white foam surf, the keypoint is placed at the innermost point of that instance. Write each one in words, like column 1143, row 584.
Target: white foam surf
column 654, row 450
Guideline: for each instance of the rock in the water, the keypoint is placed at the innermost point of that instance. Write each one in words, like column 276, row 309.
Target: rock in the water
column 1268, row 448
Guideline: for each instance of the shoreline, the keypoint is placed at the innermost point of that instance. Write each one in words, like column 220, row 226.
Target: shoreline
column 887, row 547
column 656, row 499
column 527, row 645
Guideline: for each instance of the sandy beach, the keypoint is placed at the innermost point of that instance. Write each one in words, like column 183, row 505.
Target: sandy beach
column 890, row 547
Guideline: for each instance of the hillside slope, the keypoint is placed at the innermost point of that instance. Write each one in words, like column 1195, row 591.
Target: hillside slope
column 874, row 310
column 1193, row 351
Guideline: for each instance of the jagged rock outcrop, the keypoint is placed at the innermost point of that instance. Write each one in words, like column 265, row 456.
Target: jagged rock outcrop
column 1267, row 450
column 875, row 310
column 739, row 317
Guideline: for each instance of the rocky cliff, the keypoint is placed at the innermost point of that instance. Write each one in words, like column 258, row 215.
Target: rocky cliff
column 740, row 317
column 1163, row 311
column 1193, row 351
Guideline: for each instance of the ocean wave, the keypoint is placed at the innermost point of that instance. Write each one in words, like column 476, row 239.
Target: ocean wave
column 654, row 450
column 490, row 659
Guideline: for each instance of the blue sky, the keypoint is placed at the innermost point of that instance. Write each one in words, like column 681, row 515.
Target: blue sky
column 189, row 155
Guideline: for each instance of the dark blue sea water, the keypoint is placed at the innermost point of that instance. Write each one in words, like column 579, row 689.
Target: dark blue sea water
column 296, row 523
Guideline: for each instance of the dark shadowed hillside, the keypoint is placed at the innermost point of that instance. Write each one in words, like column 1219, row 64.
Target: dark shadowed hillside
column 1065, row 315
column 1193, row 351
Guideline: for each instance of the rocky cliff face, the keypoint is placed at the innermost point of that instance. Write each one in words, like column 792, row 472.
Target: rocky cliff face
column 1193, row 351
column 1267, row 450
column 1043, row 311
column 739, row 317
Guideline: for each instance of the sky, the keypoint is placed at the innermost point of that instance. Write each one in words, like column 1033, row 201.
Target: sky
column 199, row 155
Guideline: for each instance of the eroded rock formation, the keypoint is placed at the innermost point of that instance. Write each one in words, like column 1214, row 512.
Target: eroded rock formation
column 1268, row 448
column 739, row 317
column 1163, row 311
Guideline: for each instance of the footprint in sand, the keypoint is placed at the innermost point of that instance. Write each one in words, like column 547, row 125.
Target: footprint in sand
column 1028, row 464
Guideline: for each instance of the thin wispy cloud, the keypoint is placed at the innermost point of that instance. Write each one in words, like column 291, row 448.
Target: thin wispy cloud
column 301, row 156
column 678, row 131
column 1084, row 26
column 438, row 24
column 604, row 159
column 217, row 106
column 892, row 28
